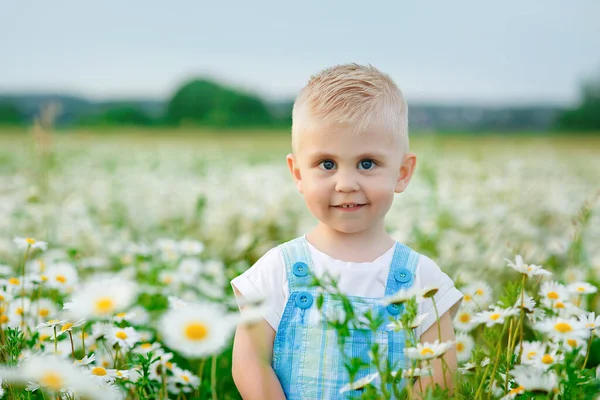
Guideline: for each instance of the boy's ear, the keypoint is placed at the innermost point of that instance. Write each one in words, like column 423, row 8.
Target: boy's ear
column 295, row 170
column 406, row 171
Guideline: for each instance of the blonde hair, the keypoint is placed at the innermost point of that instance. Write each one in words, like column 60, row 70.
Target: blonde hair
column 352, row 95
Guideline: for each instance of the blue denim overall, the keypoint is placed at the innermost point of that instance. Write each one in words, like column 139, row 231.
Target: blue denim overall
column 306, row 355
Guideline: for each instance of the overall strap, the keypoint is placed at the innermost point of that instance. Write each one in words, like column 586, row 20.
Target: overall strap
column 298, row 263
column 402, row 270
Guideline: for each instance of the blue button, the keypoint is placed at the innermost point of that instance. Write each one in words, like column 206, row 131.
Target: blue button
column 300, row 269
column 403, row 275
column 304, row 300
column 394, row 309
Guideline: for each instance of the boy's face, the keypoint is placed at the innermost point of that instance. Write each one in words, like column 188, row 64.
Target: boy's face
column 336, row 168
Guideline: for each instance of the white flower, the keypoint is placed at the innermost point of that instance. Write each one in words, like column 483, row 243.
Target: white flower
column 191, row 247
column 102, row 298
column 416, row 372
column 86, row 360
column 124, row 316
column 463, row 321
column 68, row 326
column 561, row 329
column 554, row 292
column 360, row 383
column 45, row 308
column 527, row 302
column 61, row 276
column 494, row 316
column 528, row 270
column 464, row 346
column 51, row 324
column 29, row 242
column 548, row 359
column 428, row 351
column 125, row 337
column 531, row 351
column 403, row 295
column 582, row 288
column 196, row 330
column 103, row 375
column 185, row 377
column 590, row 320
column 176, row 303
column 396, row 325
column 477, row 294
column 533, row 379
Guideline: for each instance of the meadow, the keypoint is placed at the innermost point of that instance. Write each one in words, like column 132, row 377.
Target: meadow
column 116, row 251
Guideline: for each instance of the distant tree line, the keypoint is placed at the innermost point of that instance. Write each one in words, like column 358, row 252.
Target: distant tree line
column 203, row 102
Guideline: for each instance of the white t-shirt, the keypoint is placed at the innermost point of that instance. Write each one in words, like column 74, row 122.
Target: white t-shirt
column 267, row 279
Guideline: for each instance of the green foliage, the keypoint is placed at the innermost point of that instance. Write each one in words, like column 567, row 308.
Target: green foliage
column 586, row 117
column 118, row 115
column 203, row 102
column 10, row 114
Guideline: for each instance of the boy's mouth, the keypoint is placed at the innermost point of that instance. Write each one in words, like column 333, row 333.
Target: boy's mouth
column 349, row 206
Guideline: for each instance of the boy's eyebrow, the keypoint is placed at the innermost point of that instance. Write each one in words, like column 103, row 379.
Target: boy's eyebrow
column 371, row 154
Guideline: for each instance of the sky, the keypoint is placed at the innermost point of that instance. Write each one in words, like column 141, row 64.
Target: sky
column 497, row 53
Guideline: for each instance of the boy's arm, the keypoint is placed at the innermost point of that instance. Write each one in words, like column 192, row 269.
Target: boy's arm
column 251, row 369
column 431, row 335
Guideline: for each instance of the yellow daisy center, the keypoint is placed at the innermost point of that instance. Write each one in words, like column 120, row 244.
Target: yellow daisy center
column 479, row 292
column 105, row 363
column 104, row 305
column 464, row 318
column 44, row 312
column 121, row 315
column 14, row 281
column 1, row 298
column 52, row 380
column 66, row 326
column 61, row 278
column 531, row 354
column 185, row 378
column 552, row 295
column 589, row 325
column 30, row 240
column 19, row 311
column 196, row 331
column 559, row 304
column 99, row 371
column 581, row 289
column 121, row 335
column 3, row 319
column 572, row 342
column 169, row 364
column 53, row 321
column 547, row 359
column 517, row 390
column 563, row 327
column 466, row 297
column 44, row 278
column 460, row 346
column 146, row 345
column 426, row 350
column 119, row 373
column 495, row 316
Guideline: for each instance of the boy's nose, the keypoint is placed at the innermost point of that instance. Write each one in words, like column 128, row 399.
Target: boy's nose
column 346, row 182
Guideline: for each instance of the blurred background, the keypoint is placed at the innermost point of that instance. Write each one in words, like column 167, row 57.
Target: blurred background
column 464, row 66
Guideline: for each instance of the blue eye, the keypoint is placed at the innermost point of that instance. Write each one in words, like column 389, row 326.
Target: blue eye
column 328, row 165
column 366, row 164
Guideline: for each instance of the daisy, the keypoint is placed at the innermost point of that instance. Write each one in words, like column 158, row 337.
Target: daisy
column 359, row 384
column 463, row 321
column 527, row 302
column 416, row 372
column 590, row 320
column 190, row 268
column 191, row 247
column 528, row 270
column 403, row 295
column 396, row 325
column 553, row 292
column 532, row 379
column 68, row 326
column 51, row 324
column 144, row 348
column 185, row 377
column 61, row 276
column 30, row 243
column 477, row 294
column 548, row 359
column 126, row 338
column 494, row 316
column 45, row 308
column 428, row 351
column 196, row 330
column 581, row 288
column 103, row 375
column 531, row 351
column 464, row 346
column 102, row 298
column 561, row 329
column 124, row 316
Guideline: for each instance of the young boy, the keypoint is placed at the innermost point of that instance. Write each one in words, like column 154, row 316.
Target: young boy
column 350, row 156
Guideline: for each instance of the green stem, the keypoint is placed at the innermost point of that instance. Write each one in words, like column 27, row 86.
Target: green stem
column 588, row 352
column 498, row 348
column 55, row 341
column 72, row 345
column 439, row 329
column 23, row 286
column 213, row 378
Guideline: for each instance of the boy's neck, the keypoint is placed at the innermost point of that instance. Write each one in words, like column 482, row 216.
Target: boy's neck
column 363, row 246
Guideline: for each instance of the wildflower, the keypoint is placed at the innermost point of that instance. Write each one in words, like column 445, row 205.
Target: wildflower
column 464, row 320
column 514, row 392
column 361, row 383
column 102, row 298
column 68, row 326
column 494, row 316
column 86, row 360
column 561, row 329
column 185, row 377
column 554, row 292
column 396, row 325
column 548, row 359
column 416, row 372
column 531, row 351
column 477, row 294
column 124, row 316
column 464, row 346
column 45, row 308
column 144, row 348
column 527, row 302
column 532, row 379
column 196, row 330
column 590, row 320
column 51, row 324
column 126, row 338
column 403, row 295
column 428, row 351
column 191, row 247
column 103, row 375
column 582, row 288
column 61, row 276
column 528, row 270
column 31, row 243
